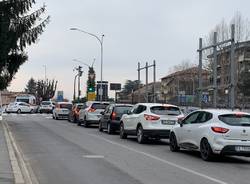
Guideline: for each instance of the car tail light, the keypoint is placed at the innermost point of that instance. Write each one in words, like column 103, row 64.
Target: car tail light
column 220, row 130
column 151, row 117
column 113, row 115
column 91, row 110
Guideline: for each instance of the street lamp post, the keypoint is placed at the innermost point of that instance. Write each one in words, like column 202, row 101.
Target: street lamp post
column 100, row 40
column 45, row 72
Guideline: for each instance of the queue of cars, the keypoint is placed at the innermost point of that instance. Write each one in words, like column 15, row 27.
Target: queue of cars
column 210, row 132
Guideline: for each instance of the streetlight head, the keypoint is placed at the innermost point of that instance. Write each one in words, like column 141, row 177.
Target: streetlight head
column 73, row 29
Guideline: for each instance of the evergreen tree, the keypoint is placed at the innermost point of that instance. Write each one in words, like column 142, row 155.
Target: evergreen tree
column 18, row 29
column 31, row 87
column 46, row 89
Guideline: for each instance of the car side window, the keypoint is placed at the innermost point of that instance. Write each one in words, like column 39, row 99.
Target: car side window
column 204, row 117
column 140, row 109
column 192, row 118
column 134, row 109
column 110, row 109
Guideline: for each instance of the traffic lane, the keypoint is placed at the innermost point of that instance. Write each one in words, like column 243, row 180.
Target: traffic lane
column 54, row 159
column 157, row 153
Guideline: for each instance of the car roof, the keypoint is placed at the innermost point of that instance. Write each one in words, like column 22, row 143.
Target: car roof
column 156, row 104
column 64, row 103
column 129, row 105
column 222, row 111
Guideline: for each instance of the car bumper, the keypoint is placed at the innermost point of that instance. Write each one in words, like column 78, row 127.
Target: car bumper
column 115, row 125
column 157, row 133
column 45, row 110
column 230, row 147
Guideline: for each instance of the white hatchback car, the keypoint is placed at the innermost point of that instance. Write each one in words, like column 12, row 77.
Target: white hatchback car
column 19, row 107
column 91, row 114
column 149, row 120
column 62, row 110
column 221, row 132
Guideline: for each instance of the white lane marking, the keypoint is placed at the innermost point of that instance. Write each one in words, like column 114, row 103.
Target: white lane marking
column 93, row 156
column 161, row 160
column 48, row 117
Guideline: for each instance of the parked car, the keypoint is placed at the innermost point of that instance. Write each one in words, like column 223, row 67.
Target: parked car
column 74, row 113
column 147, row 120
column 62, row 110
column 91, row 113
column 46, row 107
column 213, row 132
column 19, row 107
column 111, row 117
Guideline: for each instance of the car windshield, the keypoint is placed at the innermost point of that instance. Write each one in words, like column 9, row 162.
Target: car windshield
column 235, row 119
column 66, row 106
column 46, row 103
column 99, row 105
column 122, row 109
column 165, row 110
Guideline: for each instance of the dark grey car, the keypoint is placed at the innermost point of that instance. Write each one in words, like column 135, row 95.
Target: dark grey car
column 111, row 117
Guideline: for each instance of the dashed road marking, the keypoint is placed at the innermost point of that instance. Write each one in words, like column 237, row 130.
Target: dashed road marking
column 161, row 160
column 93, row 156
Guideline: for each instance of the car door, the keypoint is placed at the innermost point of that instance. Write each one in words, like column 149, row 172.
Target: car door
column 197, row 128
column 135, row 119
column 185, row 130
column 128, row 118
column 106, row 116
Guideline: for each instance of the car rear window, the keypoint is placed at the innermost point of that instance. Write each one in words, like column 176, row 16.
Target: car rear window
column 235, row 119
column 99, row 105
column 122, row 109
column 66, row 106
column 165, row 110
column 46, row 103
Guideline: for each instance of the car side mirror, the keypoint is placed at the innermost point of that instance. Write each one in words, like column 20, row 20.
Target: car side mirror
column 102, row 113
column 180, row 121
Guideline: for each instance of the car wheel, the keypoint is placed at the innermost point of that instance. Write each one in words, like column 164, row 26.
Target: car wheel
column 100, row 127
column 85, row 123
column 173, row 143
column 123, row 135
column 31, row 111
column 53, row 116
column 56, row 117
column 140, row 135
column 206, row 150
column 19, row 111
column 79, row 123
column 109, row 129
column 74, row 119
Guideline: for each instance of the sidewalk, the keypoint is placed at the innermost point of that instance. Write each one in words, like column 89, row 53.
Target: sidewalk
column 6, row 174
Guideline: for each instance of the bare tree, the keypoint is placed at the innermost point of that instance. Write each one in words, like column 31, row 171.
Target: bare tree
column 185, row 64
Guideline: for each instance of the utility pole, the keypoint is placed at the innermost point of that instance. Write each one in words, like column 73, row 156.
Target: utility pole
column 154, row 92
column 146, row 82
column 139, row 79
column 233, row 68
column 154, row 75
column 215, row 87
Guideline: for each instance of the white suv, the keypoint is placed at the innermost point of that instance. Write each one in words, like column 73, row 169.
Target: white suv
column 91, row 114
column 213, row 132
column 149, row 120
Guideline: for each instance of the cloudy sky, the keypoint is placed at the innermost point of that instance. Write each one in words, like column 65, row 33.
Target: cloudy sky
column 135, row 31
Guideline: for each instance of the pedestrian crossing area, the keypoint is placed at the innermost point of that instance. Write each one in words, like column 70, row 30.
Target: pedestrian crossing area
column 47, row 116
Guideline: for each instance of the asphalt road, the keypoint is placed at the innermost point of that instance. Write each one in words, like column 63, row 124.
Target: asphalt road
column 60, row 152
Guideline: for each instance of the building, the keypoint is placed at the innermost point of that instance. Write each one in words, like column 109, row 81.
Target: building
column 140, row 95
column 242, row 59
column 8, row 96
column 104, row 91
column 181, row 87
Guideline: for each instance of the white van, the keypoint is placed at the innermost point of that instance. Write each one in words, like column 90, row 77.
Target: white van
column 29, row 99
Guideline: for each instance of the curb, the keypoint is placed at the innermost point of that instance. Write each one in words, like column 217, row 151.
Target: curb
column 20, row 169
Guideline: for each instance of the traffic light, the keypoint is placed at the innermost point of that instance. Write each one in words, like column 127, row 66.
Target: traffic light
column 91, row 89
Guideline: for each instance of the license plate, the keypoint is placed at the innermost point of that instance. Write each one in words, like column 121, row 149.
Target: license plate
column 242, row 148
column 168, row 122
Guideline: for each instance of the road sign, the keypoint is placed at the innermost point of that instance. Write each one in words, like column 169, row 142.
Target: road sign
column 115, row 86
column 205, row 98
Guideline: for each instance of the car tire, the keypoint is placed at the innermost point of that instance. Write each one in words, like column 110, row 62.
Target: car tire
column 173, row 143
column 79, row 123
column 31, row 111
column 100, row 127
column 19, row 111
column 85, row 123
column 109, row 129
column 53, row 116
column 123, row 135
column 140, row 135
column 206, row 150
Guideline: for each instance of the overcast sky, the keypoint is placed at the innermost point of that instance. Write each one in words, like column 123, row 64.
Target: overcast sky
column 135, row 31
